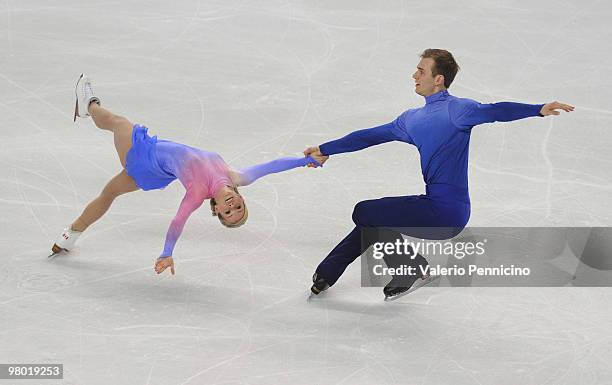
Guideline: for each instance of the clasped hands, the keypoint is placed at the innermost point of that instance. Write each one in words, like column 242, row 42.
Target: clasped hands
column 315, row 153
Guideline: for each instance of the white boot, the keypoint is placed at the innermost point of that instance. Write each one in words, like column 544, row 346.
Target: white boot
column 67, row 240
column 84, row 97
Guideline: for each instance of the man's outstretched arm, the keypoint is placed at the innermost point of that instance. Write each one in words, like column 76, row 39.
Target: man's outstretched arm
column 355, row 141
column 467, row 113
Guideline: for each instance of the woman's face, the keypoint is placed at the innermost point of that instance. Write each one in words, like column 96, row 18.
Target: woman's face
column 230, row 205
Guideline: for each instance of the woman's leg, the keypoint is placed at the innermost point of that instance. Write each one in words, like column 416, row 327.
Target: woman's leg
column 122, row 183
column 118, row 125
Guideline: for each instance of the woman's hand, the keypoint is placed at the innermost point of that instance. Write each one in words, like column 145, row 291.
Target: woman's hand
column 163, row 263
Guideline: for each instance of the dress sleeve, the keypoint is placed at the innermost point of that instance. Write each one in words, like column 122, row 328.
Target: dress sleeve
column 192, row 200
column 250, row 174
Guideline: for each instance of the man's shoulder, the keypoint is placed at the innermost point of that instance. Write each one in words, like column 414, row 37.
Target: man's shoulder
column 409, row 112
column 455, row 100
column 459, row 106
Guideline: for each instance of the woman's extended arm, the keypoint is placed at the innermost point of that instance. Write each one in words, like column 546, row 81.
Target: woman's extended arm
column 250, row 174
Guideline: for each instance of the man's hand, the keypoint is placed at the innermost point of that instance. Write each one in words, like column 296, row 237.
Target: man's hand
column 163, row 263
column 551, row 108
column 315, row 153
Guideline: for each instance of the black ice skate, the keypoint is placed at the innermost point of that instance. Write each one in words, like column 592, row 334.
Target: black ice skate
column 319, row 284
column 402, row 285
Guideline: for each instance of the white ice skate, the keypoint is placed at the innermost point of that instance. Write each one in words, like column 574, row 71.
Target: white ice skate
column 84, row 97
column 66, row 241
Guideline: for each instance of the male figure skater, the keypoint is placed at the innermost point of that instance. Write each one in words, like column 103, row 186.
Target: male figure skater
column 441, row 132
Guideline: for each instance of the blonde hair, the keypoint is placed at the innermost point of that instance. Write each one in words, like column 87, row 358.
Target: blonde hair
column 225, row 223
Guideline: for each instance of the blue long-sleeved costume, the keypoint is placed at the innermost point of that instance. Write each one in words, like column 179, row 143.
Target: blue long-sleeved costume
column 441, row 132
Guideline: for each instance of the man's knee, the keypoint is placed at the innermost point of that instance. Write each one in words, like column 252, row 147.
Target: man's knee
column 362, row 213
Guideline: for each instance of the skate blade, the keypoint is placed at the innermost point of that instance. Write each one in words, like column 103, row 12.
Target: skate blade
column 76, row 110
column 56, row 250
column 76, row 104
column 312, row 296
column 417, row 285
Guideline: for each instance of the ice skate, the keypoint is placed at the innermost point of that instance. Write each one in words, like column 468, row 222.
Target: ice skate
column 84, row 97
column 402, row 285
column 319, row 285
column 393, row 293
column 65, row 242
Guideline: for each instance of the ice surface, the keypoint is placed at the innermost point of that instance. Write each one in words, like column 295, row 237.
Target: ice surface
column 257, row 80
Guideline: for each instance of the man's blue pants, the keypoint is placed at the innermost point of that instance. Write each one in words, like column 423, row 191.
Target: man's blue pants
column 439, row 214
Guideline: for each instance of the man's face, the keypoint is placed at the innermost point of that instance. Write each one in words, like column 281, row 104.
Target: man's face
column 424, row 80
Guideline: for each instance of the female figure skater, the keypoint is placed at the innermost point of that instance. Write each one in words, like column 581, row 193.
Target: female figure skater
column 149, row 163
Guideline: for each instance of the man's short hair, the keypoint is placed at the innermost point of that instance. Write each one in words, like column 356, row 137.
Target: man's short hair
column 444, row 64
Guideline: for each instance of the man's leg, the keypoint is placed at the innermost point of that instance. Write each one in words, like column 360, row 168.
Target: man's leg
column 406, row 211
column 332, row 267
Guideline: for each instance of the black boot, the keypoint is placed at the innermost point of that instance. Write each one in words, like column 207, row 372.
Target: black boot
column 402, row 283
column 319, row 284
